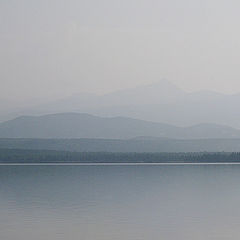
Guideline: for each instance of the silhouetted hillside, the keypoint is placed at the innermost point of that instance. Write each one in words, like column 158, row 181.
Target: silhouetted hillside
column 158, row 102
column 76, row 125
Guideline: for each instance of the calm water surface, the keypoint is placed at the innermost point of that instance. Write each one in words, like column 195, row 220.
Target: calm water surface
column 120, row 202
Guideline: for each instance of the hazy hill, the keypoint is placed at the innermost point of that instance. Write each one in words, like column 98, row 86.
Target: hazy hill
column 76, row 125
column 162, row 92
column 158, row 102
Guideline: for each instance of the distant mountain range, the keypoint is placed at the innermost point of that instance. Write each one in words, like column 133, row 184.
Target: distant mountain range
column 79, row 125
column 158, row 102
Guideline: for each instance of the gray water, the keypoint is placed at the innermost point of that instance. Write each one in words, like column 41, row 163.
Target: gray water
column 120, row 202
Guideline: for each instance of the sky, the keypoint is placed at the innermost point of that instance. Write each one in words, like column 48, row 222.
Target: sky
column 55, row 48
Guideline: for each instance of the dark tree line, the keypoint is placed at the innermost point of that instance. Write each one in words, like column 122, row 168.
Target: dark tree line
column 48, row 156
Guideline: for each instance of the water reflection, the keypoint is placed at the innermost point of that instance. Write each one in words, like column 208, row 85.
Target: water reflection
column 119, row 202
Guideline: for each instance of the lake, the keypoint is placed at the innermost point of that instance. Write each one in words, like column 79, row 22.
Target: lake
column 120, row 202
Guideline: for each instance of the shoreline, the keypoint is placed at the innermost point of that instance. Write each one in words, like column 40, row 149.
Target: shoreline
column 119, row 164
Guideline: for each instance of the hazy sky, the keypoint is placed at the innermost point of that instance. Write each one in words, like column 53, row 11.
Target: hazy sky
column 53, row 48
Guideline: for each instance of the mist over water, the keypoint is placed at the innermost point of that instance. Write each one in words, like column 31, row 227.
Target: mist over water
column 106, row 81
column 119, row 202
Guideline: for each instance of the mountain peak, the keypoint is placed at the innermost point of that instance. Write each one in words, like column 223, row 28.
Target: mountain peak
column 164, row 83
column 159, row 92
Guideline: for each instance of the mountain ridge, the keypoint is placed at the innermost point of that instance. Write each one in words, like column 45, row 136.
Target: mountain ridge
column 161, row 101
column 84, row 125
